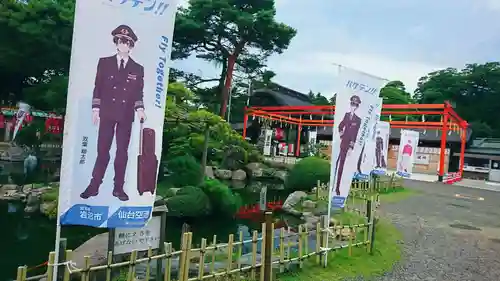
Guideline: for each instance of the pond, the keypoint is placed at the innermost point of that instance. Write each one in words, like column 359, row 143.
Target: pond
column 28, row 240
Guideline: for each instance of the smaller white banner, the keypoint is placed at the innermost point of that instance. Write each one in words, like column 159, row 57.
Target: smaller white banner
column 383, row 132
column 407, row 152
column 267, row 142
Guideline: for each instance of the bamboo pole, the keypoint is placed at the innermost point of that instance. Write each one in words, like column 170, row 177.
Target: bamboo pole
column 168, row 261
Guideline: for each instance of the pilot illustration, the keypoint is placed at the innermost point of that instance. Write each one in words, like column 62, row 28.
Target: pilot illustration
column 379, row 147
column 348, row 129
column 117, row 98
column 406, row 157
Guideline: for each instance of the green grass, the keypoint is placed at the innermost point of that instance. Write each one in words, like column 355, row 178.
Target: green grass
column 397, row 195
column 50, row 195
column 387, row 252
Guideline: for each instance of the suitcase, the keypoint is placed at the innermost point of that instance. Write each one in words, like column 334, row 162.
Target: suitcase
column 147, row 162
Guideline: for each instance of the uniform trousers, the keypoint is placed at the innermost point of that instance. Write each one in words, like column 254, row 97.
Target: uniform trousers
column 107, row 130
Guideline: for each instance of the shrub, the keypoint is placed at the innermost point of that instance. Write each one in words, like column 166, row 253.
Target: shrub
column 222, row 198
column 305, row 174
column 189, row 202
column 184, row 171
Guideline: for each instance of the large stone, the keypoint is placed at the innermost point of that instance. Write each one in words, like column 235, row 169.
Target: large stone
column 281, row 175
column 223, row 174
column 292, row 201
column 255, row 169
column 239, row 175
column 209, row 172
column 33, row 199
column 32, row 209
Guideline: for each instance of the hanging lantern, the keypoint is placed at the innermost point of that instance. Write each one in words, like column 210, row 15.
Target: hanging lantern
column 406, row 119
column 253, row 117
column 423, row 118
column 390, row 118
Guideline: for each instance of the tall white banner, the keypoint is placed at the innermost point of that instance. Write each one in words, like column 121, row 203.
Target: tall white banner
column 118, row 83
column 383, row 131
column 313, row 136
column 406, row 154
column 267, row 141
column 366, row 161
column 355, row 107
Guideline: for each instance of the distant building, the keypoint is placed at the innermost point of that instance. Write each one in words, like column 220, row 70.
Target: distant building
column 482, row 159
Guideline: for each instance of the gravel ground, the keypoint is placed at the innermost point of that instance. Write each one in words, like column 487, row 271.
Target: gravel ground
column 433, row 250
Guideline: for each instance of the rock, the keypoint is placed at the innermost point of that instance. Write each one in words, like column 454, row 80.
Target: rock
column 293, row 199
column 255, row 186
column 310, row 220
column 281, row 175
column 237, row 184
column 209, row 172
column 255, row 169
column 27, row 188
column 269, row 172
column 239, row 175
column 223, row 174
column 9, row 187
column 33, row 200
column 32, row 209
column 277, row 186
column 309, row 204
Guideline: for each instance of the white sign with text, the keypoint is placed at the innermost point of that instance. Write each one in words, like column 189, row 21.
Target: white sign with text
column 140, row 239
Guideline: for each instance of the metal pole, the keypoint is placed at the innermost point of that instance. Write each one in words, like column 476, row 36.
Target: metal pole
column 249, row 92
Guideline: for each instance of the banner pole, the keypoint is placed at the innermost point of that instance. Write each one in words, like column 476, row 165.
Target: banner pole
column 56, row 257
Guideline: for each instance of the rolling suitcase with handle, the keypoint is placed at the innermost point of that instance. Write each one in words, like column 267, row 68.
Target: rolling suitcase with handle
column 147, row 162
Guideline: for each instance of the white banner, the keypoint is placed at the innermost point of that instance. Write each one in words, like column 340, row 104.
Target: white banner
column 381, row 147
column 355, row 106
column 366, row 161
column 119, row 69
column 24, row 109
column 267, row 141
column 313, row 136
column 406, row 153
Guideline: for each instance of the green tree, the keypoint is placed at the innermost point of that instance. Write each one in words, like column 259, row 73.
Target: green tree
column 37, row 50
column 474, row 91
column 395, row 92
column 230, row 33
column 318, row 98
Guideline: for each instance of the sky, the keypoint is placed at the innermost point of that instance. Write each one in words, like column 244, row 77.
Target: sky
column 394, row 39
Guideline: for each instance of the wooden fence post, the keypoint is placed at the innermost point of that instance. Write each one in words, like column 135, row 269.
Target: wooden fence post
column 318, row 187
column 268, row 252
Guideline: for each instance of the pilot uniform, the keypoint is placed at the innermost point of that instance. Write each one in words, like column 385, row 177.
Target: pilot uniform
column 118, row 93
column 379, row 146
column 348, row 129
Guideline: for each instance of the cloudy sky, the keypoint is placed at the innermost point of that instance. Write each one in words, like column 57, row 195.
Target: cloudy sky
column 395, row 39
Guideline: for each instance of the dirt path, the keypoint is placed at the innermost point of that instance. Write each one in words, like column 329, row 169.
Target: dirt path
column 436, row 246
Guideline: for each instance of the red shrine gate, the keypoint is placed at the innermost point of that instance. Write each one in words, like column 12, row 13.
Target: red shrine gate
column 449, row 121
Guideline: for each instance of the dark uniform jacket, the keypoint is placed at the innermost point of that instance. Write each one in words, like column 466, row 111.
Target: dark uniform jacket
column 379, row 144
column 348, row 128
column 118, row 93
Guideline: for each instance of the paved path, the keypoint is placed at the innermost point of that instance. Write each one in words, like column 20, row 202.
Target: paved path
column 433, row 250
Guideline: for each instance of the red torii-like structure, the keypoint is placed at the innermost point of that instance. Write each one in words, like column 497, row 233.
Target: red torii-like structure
column 450, row 121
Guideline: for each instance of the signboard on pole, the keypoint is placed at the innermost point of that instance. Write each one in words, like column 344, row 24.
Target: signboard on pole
column 406, row 153
column 263, row 199
column 383, row 131
column 140, row 239
column 114, row 116
column 366, row 161
column 355, row 106
column 267, row 142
